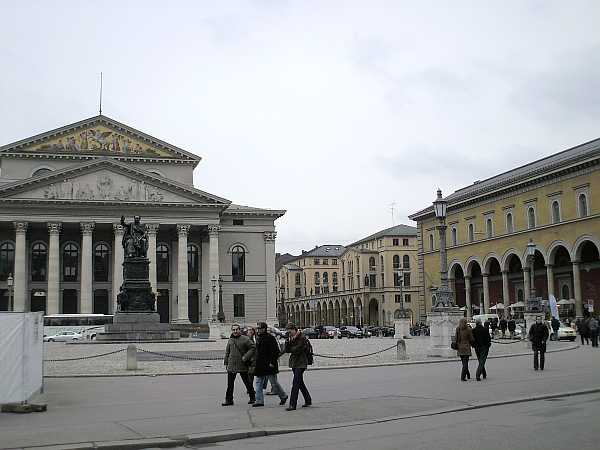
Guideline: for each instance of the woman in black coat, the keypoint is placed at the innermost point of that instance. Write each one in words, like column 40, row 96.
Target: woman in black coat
column 267, row 366
column 482, row 343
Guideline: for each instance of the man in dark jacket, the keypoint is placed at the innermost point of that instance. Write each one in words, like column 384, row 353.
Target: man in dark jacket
column 238, row 354
column 512, row 327
column 538, row 335
column 482, row 343
column 267, row 365
column 555, row 323
column 503, row 326
column 297, row 346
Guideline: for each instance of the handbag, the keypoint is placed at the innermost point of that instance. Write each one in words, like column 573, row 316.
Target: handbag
column 453, row 343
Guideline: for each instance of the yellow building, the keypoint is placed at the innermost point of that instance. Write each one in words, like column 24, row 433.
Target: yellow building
column 554, row 204
column 366, row 282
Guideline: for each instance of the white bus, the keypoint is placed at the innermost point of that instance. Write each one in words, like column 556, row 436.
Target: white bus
column 87, row 325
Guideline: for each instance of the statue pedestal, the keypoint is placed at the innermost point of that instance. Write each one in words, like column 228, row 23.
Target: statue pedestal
column 137, row 327
column 442, row 325
column 215, row 329
column 402, row 328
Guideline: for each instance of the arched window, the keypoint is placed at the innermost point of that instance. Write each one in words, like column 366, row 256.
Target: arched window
column 489, row 228
column 406, row 262
column 531, row 217
column 396, row 261
column 101, row 264
column 471, row 232
column 565, row 292
column 238, row 263
column 70, row 262
column 372, row 264
column 162, row 262
column 317, row 278
column 7, row 260
column 193, row 262
column 334, row 278
column 39, row 254
column 431, row 242
column 454, row 236
column 555, row 212
column 510, row 227
column 297, row 278
column 325, row 278
column 583, row 207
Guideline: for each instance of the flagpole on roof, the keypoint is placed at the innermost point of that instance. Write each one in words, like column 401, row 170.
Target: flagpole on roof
column 100, row 93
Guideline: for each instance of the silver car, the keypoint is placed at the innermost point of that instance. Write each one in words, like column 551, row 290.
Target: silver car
column 64, row 336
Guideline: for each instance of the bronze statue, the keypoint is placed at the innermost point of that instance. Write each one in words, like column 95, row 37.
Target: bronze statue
column 135, row 239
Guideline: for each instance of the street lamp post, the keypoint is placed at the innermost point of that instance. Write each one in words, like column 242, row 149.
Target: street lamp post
column 10, row 282
column 444, row 293
column 214, row 298
column 221, row 315
column 282, row 314
column 531, row 258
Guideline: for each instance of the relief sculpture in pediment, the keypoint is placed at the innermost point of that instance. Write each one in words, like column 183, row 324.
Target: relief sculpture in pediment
column 104, row 189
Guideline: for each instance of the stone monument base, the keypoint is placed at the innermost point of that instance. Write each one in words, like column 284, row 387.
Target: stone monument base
column 217, row 329
column 402, row 328
column 137, row 327
column 442, row 326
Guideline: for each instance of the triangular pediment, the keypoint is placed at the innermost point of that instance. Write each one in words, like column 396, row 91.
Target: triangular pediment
column 108, row 180
column 99, row 136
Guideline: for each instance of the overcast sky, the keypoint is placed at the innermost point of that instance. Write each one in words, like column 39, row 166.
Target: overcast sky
column 332, row 110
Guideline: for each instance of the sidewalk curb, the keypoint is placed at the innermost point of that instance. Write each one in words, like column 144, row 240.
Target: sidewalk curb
column 232, row 435
column 285, row 369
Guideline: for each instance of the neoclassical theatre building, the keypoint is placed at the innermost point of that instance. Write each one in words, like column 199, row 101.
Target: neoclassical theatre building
column 62, row 194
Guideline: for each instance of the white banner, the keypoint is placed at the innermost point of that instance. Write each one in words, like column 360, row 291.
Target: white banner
column 21, row 355
column 553, row 306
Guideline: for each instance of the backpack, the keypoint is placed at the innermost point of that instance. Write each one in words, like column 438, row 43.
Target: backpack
column 309, row 353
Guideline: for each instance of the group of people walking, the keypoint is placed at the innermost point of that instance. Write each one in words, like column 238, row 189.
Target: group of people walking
column 588, row 329
column 479, row 338
column 257, row 356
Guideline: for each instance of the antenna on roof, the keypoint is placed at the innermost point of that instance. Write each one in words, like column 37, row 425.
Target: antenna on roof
column 392, row 207
column 100, row 93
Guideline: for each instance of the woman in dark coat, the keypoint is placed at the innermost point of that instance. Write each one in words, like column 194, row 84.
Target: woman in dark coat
column 464, row 340
column 238, row 354
column 538, row 335
column 482, row 343
column 297, row 347
column 267, row 366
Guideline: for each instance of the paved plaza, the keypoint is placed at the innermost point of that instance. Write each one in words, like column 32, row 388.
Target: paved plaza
column 179, row 409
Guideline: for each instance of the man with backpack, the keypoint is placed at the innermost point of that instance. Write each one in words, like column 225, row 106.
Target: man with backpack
column 301, row 356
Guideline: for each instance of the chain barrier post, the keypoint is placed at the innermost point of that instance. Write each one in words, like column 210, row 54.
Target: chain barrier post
column 401, row 350
column 132, row 357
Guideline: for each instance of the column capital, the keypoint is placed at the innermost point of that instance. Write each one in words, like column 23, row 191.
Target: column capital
column 576, row 262
column 21, row 227
column 152, row 228
column 213, row 230
column 118, row 228
column 87, row 227
column 485, row 275
column 54, row 227
column 183, row 229
column 270, row 236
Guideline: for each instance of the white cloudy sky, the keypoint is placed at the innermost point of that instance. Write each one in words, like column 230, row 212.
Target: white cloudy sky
column 332, row 110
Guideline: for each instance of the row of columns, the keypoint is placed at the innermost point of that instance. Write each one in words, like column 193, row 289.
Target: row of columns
column 86, row 274
column 526, row 288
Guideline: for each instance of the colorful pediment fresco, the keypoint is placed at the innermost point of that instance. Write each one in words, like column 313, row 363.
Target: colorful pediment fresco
column 98, row 140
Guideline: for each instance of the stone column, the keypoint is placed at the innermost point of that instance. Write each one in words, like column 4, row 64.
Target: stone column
column 550, row 277
column 87, row 260
column 577, row 290
column 20, row 275
column 152, row 230
column 271, row 312
column 505, row 291
column 213, row 266
column 526, row 285
column 182, row 273
column 486, row 292
column 468, row 295
column 53, row 267
column 117, row 277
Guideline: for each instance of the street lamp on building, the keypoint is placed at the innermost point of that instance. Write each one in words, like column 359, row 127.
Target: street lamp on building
column 10, row 282
column 214, row 282
column 444, row 293
column 221, row 315
column 282, row 315
column 532, row 302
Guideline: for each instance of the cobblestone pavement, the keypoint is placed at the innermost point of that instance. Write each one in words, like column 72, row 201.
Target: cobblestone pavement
column 345, row 349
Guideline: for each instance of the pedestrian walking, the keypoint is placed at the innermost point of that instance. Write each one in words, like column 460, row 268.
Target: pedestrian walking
column 251, row 363
column 503, row 327
column 512, row 327
column 593, row 326
column 267, row 366
column 482, row 343
column 299, row 348
column 555, row 323
column 538, row 335
column 494, row 326
column 463, row 339
column 238, row 354
column 583, row 329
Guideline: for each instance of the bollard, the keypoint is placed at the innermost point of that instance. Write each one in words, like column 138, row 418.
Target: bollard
column 131, row 357
column 401, row 350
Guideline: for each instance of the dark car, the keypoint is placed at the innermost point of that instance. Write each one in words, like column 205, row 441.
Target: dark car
column 310, row 333
column 351, row 332
column 321, row 332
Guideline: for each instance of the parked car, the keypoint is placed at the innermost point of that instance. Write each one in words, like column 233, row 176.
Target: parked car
column 310, row 333
column 564, row 333
column 332, row 332
column 351, row 332
column 64, row 336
